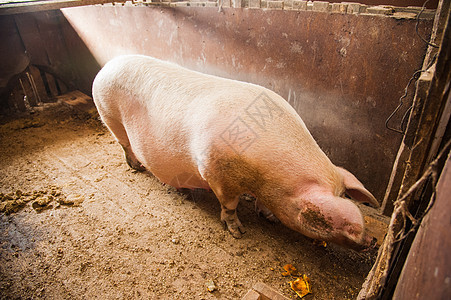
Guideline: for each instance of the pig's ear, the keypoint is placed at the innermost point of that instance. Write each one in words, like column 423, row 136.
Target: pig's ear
column 356, row 190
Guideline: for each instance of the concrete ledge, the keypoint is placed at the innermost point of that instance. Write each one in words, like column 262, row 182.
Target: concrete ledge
column 255, row 3
column 301, row 5
column 380, row 10
column 321, row 6
column 275, row 4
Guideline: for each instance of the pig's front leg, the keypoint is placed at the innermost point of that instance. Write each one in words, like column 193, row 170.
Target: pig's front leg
column 117, row 128
column 132, row 161
column 230, row 218
column 224, row 180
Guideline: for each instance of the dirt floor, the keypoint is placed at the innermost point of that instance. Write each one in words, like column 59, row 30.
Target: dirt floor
column 78, row 223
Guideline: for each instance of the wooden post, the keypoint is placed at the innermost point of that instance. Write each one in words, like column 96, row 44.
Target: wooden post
column 417, row 142
column 402, row 169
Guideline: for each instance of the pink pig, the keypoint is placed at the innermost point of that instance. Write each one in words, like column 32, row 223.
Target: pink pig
column 231, row 137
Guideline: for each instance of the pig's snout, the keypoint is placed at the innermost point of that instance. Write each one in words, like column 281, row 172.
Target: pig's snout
column 365, row 244
column 336, row 220
column 370, row 243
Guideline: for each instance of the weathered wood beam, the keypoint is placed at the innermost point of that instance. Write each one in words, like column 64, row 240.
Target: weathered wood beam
column 410, row 158
column 26, row 7
column 384, row 275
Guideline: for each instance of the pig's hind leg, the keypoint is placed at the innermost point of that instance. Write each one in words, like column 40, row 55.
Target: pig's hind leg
column 227, row 177
column 121, row 136
column 262, row 210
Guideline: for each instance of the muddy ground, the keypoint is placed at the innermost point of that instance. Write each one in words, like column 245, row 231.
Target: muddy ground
column 103, row 230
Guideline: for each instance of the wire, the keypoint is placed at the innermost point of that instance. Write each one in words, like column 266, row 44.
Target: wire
column 402, row 130
column 401, row 102
column 416, row 27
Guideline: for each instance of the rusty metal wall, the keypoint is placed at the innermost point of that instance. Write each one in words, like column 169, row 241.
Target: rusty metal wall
column 342, row 73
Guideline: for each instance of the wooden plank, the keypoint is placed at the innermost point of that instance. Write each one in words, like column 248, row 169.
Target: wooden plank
column 79, row 101
column 397, row 174
column 19, row 8
column 62, row 86
column 86, row 67
column 427, row 269
column 437, row 32
column 376, row 228
column 51, row 84
column 18, row 96
column 28, row 90
column 268, row 293
column 48, row 24
column 11, row 103
column 36, row 78
column 390, row 258
column 402, row 164
column 432, row 109
column 252, row 295
column 31, row 39
column 14, row 60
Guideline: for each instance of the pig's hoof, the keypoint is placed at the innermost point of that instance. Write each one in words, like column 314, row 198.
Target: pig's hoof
column 232, row 223
column 132, row 162
column 271, row 218
column 235, row 230
column 136, row 166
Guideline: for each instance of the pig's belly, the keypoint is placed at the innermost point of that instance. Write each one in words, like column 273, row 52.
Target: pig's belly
column 170, row 162
column 175, row 174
